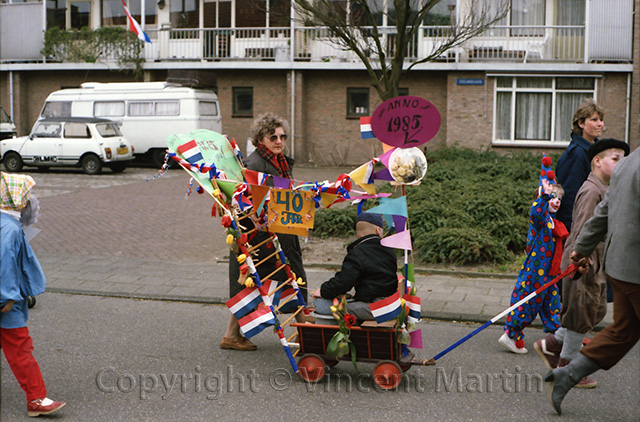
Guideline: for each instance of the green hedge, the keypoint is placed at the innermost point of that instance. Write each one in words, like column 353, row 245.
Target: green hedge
column 471, row 208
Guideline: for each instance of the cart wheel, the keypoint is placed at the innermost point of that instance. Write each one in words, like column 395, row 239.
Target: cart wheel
column 311, row 368
column 387, row 375
column 331, row 362
column 31, row 301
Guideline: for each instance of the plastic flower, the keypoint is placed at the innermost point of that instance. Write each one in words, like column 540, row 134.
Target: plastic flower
column 226, row 221
column 349, row 320
column 249, row 283
column 243, row 238
column 333, row 309
column 216, row 193
column 244, row 269
column 241, row 258
column 230, row 239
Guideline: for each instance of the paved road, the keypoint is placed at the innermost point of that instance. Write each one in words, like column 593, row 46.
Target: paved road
column 137, row 360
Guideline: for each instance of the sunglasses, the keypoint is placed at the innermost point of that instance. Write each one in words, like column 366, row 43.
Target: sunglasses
column 274, row 138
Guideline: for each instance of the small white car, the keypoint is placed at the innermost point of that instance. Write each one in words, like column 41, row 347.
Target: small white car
column 69, row 141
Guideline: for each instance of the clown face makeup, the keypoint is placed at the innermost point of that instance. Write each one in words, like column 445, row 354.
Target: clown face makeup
column 554, row 202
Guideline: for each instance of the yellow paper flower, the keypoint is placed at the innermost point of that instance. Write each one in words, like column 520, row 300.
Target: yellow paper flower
column 216, row 193
column 229, row 239
column 402, row 302
column 249, row 283
column 241, row 258
column 300, row 282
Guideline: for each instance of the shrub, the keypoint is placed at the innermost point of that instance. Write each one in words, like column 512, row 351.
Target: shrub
column 471, row 208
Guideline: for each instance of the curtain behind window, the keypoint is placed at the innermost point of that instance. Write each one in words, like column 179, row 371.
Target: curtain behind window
column 533, row 116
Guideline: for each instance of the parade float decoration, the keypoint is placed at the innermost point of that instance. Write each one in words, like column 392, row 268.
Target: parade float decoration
column 250, row 202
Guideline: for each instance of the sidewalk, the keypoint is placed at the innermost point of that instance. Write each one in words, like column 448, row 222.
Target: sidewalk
column 444, row 295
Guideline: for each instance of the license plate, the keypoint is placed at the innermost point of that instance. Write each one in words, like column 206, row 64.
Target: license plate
column 123, row 150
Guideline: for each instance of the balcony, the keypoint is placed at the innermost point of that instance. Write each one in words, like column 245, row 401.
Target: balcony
column 507, row 44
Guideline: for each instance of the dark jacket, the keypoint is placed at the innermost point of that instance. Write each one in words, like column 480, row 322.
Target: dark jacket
column 290, row 243
column 369, row 267
column 572, row 170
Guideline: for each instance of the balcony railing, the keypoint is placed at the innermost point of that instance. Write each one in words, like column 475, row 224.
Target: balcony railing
column 566, row 44
column 501, row 43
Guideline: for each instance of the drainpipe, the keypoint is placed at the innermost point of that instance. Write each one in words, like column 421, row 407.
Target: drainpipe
column 587, row 32
column 628, row 111
column 293, row 113
column 11, row 96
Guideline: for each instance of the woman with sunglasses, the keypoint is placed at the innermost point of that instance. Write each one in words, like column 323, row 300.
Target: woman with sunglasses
column 269, row 134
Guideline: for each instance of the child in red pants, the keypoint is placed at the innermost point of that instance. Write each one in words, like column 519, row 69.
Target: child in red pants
column 21, row 276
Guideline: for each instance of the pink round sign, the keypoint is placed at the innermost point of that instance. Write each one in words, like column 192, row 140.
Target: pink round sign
column 405, row 122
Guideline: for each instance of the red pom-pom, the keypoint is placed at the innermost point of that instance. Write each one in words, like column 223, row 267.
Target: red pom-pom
column 546, row 161
column 551, row 175
column 520, row 344
column 543, row 172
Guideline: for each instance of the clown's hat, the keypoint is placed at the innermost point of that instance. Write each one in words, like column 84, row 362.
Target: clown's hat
column 546, row 172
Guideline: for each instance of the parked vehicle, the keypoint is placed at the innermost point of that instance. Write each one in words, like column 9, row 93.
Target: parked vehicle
column 89, row 143
column 7, row 128
column 147, row 112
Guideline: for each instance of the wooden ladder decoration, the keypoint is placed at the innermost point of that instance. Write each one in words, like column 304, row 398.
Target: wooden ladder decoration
column 281, row 265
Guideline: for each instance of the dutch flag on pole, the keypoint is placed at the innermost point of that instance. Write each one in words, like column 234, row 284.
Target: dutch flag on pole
column 283, row 295
column 365, row 128
column 413, row 306
column 191, row 152
column 256, row 321
column 386, row 309
column 244, row 302
column 135, row 26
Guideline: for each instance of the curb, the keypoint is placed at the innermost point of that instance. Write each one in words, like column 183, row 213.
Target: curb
column 417, row 270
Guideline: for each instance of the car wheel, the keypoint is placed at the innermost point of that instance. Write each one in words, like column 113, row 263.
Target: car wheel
column 91, row 164
column 157, row 157
column 118, row 168
column 12, row 161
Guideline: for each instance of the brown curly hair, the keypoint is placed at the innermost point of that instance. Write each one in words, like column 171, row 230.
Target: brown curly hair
column 266, row 125
column 584, row 111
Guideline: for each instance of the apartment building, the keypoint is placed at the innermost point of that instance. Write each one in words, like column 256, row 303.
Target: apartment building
column 514, row 87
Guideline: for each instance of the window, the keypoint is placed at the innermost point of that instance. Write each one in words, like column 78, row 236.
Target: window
column 242, row 101
column 76, row 130
column 185, row 14
column 108, row 108
column 357, row 102
column 538, row 109
column 208, row 108
column 57, row 109
column 108, row 130
column 47, row 130
column 79, row 13
column 154, row 108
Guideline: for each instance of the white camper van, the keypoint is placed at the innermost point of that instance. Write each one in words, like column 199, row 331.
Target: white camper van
column 147, row 112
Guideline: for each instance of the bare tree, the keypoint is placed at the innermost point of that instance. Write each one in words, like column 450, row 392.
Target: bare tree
column 382, row 33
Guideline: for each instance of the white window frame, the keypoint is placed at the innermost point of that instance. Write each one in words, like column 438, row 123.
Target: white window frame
column 514, row 89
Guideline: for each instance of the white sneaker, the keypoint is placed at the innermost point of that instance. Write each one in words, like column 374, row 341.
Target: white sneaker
column 510, row 344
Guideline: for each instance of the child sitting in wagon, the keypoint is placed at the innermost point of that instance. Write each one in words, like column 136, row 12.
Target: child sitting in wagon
column 369, row 267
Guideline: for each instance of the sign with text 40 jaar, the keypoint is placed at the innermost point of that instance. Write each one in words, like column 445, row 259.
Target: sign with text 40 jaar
column 291, row 212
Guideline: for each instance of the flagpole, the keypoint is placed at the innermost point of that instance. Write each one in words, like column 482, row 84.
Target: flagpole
column 570, row 270
column 406, row 254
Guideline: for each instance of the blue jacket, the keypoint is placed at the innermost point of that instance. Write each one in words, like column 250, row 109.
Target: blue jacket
column 572, row 170
column 20, row 272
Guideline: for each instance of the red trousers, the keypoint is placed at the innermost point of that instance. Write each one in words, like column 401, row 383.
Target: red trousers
column 18, row 347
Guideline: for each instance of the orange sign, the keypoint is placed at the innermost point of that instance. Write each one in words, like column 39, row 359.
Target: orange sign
column 291, row 212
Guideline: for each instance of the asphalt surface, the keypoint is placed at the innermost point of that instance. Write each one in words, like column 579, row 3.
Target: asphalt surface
column 109, row 238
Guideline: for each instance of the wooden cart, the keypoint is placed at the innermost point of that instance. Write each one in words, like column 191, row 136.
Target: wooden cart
column 374, row 343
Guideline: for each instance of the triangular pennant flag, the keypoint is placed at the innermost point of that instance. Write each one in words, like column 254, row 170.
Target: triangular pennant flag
column 397, row 206
column 281, row 182
column 259, row 195
column 383, row 174
column 227, row 187
column 399, row 223
column 363, row 176
column 328, row 199
column 400, row 240
column 416, row 339
column 384, row 158
column 410, row 273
